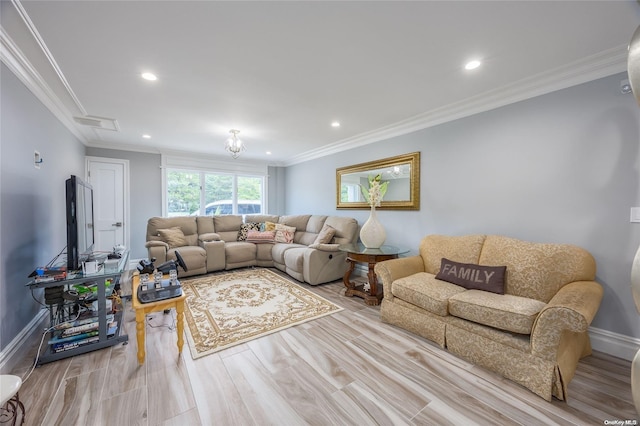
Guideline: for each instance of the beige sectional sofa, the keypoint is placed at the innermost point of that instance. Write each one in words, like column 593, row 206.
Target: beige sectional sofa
column 534, row 334
column 215, row 243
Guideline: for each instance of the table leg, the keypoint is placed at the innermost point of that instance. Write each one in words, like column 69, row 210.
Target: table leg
column 140, row 317
column 347, row 276
column 373, row 279
column 180, row 315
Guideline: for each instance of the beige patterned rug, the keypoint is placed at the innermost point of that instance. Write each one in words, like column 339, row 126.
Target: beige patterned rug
column 224, row 310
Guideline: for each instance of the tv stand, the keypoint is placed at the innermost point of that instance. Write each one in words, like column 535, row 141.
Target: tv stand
column 101, row 312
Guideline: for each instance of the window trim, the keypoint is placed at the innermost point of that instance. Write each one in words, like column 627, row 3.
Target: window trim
column 199, row 165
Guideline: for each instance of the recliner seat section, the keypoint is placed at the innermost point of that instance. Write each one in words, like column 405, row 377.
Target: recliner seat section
column 211, row 244
column 534, row 333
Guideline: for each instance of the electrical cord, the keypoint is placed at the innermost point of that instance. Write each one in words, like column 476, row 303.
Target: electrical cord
column 44, row 334
column 168, row 327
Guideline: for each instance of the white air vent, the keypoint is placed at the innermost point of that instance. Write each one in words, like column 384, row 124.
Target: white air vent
column 103, row 123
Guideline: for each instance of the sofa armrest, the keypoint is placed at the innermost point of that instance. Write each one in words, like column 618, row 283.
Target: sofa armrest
column 211, row 236
column 216, row 257
column 157, row 250
column 150, row 244
column 571, row 309
column 390, row 270
column 321, row 266
column 325, row 247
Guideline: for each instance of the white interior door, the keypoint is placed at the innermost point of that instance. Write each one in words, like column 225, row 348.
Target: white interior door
column 110, row 181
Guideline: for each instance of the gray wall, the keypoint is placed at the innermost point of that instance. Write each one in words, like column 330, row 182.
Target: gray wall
column 562, row 167
column 145, row 192
column 32, row 201
column 276, row 190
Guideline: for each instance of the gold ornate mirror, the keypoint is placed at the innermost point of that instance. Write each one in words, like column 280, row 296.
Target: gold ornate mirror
column 402, row 173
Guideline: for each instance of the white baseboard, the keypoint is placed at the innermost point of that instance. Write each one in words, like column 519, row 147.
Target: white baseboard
column 7, row 356
column 614, row 344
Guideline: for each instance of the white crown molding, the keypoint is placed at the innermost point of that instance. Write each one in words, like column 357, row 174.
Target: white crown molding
column 47, row 53
column 15, row 60
column 596, row 66
column 602, row 64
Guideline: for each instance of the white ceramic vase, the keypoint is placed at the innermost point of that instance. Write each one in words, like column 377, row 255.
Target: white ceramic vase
column 372, row 233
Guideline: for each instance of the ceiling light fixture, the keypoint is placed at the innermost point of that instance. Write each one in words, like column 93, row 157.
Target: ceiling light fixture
column 471, row 65
column 149, row 76
column 234, row 146
column 146, row 136
column 335, row 124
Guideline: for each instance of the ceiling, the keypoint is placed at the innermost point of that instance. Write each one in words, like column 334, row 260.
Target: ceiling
column 282, row 72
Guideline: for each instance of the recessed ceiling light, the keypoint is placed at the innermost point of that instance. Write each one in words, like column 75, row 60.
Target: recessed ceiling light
column 471, row 65
column 268, row 152
column 335, row 124
column 149, row 76
column 146, row 136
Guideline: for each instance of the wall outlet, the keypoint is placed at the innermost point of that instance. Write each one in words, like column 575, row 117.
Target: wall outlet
column 635, row 214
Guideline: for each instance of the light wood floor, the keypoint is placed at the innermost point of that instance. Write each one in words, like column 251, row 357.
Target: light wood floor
column 343, row 369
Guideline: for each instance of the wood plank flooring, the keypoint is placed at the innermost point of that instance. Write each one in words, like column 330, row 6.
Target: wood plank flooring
column 344, row 369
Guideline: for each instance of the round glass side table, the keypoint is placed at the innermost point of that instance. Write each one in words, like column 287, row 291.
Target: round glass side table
column 358, row 253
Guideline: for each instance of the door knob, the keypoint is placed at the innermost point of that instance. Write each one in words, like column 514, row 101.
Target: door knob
column 118, row 224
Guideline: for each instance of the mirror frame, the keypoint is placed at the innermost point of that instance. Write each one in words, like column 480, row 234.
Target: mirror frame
column 414, row 181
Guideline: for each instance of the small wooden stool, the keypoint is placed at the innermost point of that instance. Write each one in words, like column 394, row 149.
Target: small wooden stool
column 142, row 309
column 9, row 400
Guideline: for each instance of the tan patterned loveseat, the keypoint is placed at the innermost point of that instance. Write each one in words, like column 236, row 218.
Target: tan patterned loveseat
column 534, row 334
column 215, row 243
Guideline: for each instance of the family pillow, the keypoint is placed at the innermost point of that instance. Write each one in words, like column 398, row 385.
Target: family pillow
column 472, row 276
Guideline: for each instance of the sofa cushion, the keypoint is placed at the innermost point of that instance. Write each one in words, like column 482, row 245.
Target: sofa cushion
column 284, row 233
column 465, row 249
column 261, row 236
column 269, row 226
column 294, row 259
column 261, row 218
column 227, row 226
column 346, row 229
column 239, row 252
column 425, row 291
column 195, row 257
column 537, row 270
column 187, row 224
column 472, row 276
column 325, row 236
column 244, row 230
column 279, row 249
column 503, row 311
column 174, row 237
column 308, row 235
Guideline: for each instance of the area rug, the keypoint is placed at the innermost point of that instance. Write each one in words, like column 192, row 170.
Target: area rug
column 223, row 310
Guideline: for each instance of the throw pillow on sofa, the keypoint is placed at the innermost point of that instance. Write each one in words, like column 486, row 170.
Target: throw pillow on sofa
column 174, row 237
column 258, row 237
column 472, row 276
column 284, row 233
column 325, row 236
column 245, row 228
column 268, row 226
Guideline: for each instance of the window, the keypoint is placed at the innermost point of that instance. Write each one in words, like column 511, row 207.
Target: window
column 209, row 193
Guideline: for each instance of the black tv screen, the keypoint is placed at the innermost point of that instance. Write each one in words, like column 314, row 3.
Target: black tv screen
column 80, row 231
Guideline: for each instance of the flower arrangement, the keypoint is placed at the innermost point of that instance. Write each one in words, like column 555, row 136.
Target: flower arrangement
column 376, row 190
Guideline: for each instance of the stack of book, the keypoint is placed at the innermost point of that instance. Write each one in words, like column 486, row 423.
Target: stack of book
column 71, row 335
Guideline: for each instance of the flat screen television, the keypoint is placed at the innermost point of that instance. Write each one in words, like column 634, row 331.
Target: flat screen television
column 80, row 231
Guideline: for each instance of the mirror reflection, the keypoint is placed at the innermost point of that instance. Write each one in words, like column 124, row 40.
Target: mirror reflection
column 402, row 173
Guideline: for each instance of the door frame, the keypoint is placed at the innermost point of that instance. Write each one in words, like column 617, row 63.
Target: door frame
column 125, row 192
